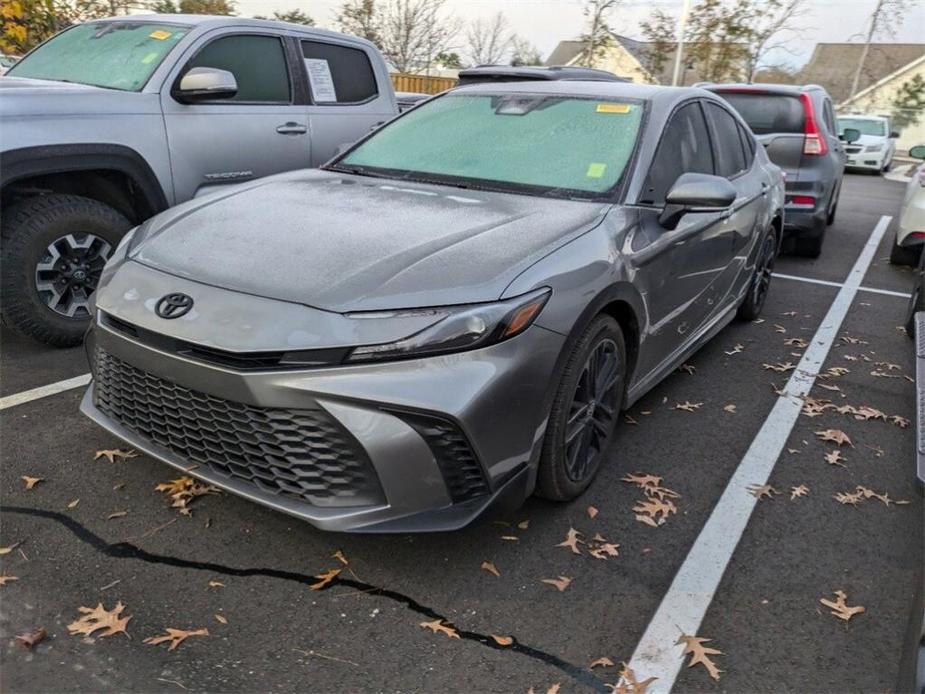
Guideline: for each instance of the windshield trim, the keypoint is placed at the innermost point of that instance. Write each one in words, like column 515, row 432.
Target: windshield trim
column 141, row 88
column 611, row 195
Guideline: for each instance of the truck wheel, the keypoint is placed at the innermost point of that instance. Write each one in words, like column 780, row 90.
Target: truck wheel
column 54, row 249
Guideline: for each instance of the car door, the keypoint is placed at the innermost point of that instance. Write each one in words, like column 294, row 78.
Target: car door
column 682, row 271
column 350, row 93
column 259, row 131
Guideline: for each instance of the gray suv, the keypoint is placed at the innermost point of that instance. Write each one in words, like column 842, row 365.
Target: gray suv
column 112, row 121
column 796, row 125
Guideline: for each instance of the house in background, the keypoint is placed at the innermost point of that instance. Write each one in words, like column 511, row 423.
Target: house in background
column 642, row 61
column 879, row 98
column 833, row 65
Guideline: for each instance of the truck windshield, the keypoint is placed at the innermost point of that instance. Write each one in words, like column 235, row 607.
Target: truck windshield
column 528, row 143
column 114, row 55
column 865, row 125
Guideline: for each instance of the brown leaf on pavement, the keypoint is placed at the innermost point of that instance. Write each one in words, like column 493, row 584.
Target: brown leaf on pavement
column 183, row 490
column 572, row 540
column 628, row 683
column 901, row 422
column 221, row 619
column 325, row 579
column 780, row 367
column 524, row 524
column 112, row 454
column 837, row 436
column 117, row 514
column 491, row 568
column 834, row 458
column 29, row 639
column 216, row 584
column 700, row 654
column 688, row 368
column 796, row 492
column 839, row 608
column 6, row 578
column 688, row 406
column 848, row 499
column 99, row 617
column 31, row 481
column 779, row 328
column 74, row 503
column 592, row 512
column 175, row 636
column 796, row 342
column 7, row 550
column 601, row 662
column 339, row 556
column 760, row 491
column 439, row 627
column 560, row 583
column 735, row 350
column 730, row 408
column 502, row 640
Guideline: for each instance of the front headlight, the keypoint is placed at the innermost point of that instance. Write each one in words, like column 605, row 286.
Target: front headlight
column 460, row 328
column 873, row 148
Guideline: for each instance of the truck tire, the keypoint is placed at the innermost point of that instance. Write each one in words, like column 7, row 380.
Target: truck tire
column 54, row 248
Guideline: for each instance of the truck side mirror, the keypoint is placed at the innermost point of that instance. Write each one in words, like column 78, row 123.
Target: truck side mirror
column 206, row 84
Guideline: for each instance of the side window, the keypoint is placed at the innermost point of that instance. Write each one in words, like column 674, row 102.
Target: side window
column 748, row 142
column 684, row 148
column 829, row 117
column 258, row 64
column 338, row 74
column 727, row 143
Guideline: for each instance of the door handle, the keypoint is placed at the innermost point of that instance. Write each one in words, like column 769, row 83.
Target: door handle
column 292, row 128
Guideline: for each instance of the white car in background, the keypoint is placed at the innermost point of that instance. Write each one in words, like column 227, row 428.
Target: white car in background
column 874, row 150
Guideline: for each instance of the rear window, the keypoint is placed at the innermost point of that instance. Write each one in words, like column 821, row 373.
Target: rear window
column 768, row 113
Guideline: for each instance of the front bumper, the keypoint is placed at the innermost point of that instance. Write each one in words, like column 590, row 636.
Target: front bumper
column 417, row 445
column 867, row 161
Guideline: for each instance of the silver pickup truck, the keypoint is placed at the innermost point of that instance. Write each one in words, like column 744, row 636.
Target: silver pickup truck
column 112, row 121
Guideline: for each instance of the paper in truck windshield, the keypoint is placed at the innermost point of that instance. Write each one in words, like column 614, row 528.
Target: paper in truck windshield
column 319, row 77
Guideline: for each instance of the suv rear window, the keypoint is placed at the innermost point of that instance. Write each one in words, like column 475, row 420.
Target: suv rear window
column 767, row 113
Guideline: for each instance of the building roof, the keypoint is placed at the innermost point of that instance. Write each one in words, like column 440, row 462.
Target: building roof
column 885, row 80
column 833, row 64
column 566, row 52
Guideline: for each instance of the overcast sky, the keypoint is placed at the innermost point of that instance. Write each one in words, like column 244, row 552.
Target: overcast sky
column 546, row 22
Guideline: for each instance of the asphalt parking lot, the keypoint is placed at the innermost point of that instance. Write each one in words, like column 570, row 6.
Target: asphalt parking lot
column 244, row 573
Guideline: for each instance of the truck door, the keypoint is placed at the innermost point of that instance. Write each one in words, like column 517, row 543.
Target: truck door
column 350, row 94
column 259, row 131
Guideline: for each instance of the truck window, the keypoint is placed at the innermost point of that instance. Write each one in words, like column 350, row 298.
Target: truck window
column 338, row 74
column 258, row 64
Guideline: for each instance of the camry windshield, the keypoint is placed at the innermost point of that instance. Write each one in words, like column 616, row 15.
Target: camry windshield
column 115, row 55
column 867, row 127
column 528, row 143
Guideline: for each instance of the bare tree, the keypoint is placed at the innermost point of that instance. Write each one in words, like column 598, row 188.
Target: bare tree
column 488, row 39
column 413, row 32
column 773, row 25
column 659, row 32
column 598, row 36
column 523, row 52
column 883, row 20
column 359, row 17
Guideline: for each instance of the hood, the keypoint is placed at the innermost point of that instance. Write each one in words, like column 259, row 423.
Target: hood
column 351, row 243
column 866, row 140
column 22, row 96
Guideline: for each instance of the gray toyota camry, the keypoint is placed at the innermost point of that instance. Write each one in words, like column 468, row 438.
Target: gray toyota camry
column 447, row 317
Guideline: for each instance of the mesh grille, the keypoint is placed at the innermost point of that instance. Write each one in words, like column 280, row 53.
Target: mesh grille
column 461, row 470
column 304, row 454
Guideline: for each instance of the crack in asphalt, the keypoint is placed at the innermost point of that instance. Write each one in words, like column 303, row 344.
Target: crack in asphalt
column 126, row 550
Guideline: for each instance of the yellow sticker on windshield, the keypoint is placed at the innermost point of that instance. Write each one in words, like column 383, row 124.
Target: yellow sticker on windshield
column 613, row 108
column 160, row 35
column 596, row 170
column 150, row 58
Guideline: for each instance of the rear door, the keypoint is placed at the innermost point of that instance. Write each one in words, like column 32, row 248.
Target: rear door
column 260, row 131
column 350, row 93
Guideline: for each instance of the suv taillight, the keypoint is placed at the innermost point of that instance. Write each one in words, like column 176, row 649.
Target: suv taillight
column 813, row 141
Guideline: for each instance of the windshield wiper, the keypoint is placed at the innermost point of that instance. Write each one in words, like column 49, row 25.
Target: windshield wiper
column 356, row 171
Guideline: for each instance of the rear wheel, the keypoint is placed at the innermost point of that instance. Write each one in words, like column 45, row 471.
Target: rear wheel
column 584, row 412
column 54, row 249
column 758, row 287
column 810, row 247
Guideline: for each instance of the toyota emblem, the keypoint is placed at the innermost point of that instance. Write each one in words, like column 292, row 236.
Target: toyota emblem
column 173, row 305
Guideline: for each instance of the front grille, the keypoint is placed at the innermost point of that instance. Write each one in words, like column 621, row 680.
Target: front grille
column 458, row 464
column 305, row 454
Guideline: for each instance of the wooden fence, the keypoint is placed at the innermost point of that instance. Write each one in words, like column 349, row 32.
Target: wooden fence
column 421, row 83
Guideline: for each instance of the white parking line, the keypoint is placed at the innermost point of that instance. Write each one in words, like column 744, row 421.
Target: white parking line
column 43, row 391
column 827, row 283
column 684, row 605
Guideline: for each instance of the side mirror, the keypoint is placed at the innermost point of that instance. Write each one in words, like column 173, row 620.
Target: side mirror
column 894, row 135
column 696, row 192
column 206, row 84
column 850, row 135
column 917, row 152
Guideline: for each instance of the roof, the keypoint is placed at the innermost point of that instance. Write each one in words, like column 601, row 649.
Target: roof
column 794, row 89
column 566, row 52
column 833, row 64
column 508, row 73
column 893, row 75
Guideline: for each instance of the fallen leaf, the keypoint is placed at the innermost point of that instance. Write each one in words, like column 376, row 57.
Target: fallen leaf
column 699, row 653
column 848, row 499
column 5, row 578
column 763, row 490
column 840, row 608
column 837, row 436
column 830, row 386
column 29, row 639
column 99, row 617
column 780, row 367
column 183, row 490
column 592, row 512
column 339, row 556
column 793, row 451
column 834, row 458
column 325, row 579
column 7, row 550
column 601, row 662
column 688, row 406
column 524, row 524
column 848, row 340
column 554, row 689
column 510, row 538
column 735, row 350
column 730, row 408
column 31, row 481
column 438, row 627
column 795, row 492
column 117, row 514
column 779, row 328
column 628, row 683
column 220, row 619
column 175, row 636
column 560, row 583
column 491, row 568
column 114, row 453
column 629, row 420
column 216, row 584
column 688, row 368
column 901, row 422
column 502, row 640
column 796, row 342
column 572, row 541
column 657, row 509
column 600, row 548
column 74, row 503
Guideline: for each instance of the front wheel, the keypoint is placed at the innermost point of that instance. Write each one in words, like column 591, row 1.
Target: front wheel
column 54, row 249
column 584, row 412
column 760, row 282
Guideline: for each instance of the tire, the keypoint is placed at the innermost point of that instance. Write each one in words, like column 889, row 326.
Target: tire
column 566, row 471
column 901, row 255
column 809, row 248
column 916, row 301
column 75, row 228
column 760, row 281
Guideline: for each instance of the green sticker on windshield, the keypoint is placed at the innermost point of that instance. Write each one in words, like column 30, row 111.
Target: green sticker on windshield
column 596, row 170
column 150, row 58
